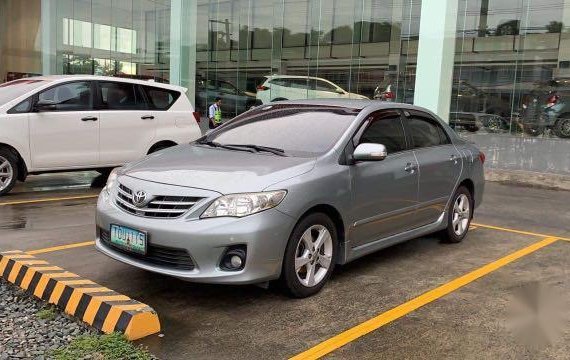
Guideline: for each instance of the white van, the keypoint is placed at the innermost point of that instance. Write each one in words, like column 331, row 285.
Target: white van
column 56, row 123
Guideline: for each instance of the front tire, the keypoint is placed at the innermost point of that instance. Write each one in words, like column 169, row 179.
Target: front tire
column 459, row 216
column 8, row 170
column 310, row 256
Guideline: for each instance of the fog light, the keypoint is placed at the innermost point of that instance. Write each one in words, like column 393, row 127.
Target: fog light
column 236, row 261
column 234, row 258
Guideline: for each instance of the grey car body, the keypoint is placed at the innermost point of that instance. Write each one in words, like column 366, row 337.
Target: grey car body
column 372, row 204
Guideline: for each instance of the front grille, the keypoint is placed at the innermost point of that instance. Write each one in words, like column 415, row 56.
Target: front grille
column 162, row 207
column 164, row 256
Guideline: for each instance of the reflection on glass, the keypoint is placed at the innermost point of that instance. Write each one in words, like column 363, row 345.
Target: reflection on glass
column 297, row 49
column 511, row 68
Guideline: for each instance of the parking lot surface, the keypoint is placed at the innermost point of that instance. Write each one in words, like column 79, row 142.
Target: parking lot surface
column 423, row 299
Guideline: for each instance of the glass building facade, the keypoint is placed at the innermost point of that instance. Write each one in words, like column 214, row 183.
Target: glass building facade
column 508, row 65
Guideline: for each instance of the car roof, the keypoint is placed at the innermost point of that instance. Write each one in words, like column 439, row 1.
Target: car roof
column 63, row 78
column 270, row 77
column 354, row 104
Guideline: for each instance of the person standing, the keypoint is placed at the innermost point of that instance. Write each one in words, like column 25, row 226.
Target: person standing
column 215, row 113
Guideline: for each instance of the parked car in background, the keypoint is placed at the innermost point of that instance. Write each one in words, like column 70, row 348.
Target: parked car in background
column 548, row 108
column 289, row 190
column 471, row 108
column 56, row 123
column 234, row 101
column 290, row 87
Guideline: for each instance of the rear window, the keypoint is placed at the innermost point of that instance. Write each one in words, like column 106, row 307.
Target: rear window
column 14, row 89
column 161, row 99
column 304, row 131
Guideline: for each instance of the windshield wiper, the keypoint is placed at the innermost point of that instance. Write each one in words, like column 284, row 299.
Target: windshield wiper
column 224, row 146
column 260, row 148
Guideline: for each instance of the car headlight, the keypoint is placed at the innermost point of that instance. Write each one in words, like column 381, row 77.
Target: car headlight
column 111, row 180
column 240, row 205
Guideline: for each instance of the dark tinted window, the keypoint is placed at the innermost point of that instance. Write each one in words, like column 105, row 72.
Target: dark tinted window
column 385, row 128
column 426, row 132
column 120, row 96
column 75, row 96
column 23, row 107
column 299, row 130
column 324, row 86
column 161, row 99
column 299, row 84
column 280, row 82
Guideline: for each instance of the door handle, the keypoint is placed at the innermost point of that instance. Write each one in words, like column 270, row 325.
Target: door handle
column 147, row 117
column 411, row 168
column 454, row 158
column 89, row 118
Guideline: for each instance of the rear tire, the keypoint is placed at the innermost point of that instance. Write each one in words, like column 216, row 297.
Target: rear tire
column 562, row 128
column 310, row 256
column 8, row 170
column 459, row 215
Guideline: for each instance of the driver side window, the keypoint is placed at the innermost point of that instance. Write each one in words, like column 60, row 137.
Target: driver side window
column 385, row 128
column 75, row 96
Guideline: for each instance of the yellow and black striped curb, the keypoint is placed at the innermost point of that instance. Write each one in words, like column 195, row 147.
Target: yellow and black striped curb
column 98, row 306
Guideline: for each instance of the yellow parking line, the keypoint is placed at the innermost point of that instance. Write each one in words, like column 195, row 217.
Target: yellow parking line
column 61, row 247
column 35, row 201
column 515, row 231
column 368, row 326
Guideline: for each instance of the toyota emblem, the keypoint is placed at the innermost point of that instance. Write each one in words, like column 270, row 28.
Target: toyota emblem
column 139, row 198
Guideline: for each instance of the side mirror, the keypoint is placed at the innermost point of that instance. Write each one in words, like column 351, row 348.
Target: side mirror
column 45, row 105
column 370, row 152
column 340, row 91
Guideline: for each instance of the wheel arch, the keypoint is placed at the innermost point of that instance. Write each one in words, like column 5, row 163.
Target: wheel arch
column 22, row 166
column 161, row 144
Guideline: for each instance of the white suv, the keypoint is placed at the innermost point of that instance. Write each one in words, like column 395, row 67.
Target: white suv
column 290, row 87
column 54, row 123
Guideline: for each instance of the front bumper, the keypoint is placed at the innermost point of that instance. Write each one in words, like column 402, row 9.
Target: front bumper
column 265, row 236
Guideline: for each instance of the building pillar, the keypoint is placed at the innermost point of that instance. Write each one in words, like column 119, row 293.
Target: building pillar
column 436, row 55
column 49, row 37
column 183, row 19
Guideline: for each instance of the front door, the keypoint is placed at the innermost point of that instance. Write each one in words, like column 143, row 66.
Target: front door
column 384, row 192
column 67, row 134
column 128, row 127
column 440, row 165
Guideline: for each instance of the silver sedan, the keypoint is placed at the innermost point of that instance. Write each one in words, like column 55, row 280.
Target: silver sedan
column 288, row 190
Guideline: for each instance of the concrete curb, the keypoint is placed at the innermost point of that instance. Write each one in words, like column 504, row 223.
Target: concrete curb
column 529, row 178
column 98, row 306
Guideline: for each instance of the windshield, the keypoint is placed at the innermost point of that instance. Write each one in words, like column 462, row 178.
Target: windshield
column 14, row 89
column 299, row 130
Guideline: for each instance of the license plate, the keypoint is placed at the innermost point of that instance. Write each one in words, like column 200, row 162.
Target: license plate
column 129, row 239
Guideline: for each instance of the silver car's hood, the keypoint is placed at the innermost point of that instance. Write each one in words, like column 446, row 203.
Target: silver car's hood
column 224, row 171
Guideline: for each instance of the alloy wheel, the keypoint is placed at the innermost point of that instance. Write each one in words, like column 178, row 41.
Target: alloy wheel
column 6, row 173
column 313, row 256
column 461, row 214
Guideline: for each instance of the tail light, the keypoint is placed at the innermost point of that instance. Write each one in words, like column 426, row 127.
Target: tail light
column 196, row 116
column 482, row 157
column 552, row 100
column 262, row 88
column 389, row 95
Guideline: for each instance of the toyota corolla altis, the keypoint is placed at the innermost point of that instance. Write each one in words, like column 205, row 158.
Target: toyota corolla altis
column 288, row 190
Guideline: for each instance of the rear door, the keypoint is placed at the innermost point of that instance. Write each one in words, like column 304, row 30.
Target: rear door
column 385, row 192
column 439, row 164
column 128, row 126
column 66, row 135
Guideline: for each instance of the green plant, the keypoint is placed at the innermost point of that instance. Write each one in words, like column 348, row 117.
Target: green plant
column 46, row 314
column 109, row 347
